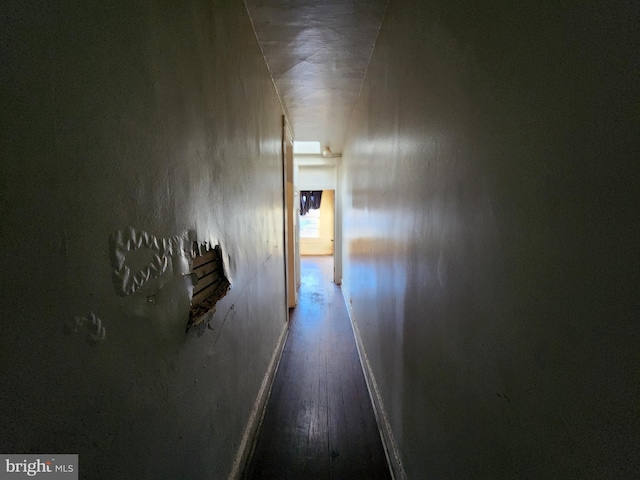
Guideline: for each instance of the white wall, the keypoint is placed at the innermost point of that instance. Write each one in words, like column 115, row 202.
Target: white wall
column 159, row 116
column 316, row 177
column 491, row 237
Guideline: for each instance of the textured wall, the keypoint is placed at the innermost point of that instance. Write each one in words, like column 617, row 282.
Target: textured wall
column 160, row 116
column 491, row 237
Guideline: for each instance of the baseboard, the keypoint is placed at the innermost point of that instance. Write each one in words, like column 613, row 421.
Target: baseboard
column 249, row 436
column 384, row 426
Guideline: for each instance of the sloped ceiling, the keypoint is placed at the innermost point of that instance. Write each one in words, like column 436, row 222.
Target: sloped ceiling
column 317, row 52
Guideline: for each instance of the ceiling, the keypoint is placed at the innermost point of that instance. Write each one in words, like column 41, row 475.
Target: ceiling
column 317, row 52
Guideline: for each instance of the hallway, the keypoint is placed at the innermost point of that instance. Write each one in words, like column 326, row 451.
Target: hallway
column 319, row 422
column 483, row 158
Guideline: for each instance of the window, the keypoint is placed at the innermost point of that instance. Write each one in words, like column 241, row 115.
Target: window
column 310, row 224
column 306, row 148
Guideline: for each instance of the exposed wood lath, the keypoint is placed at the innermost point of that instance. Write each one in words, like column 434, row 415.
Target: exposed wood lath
column 211, row 284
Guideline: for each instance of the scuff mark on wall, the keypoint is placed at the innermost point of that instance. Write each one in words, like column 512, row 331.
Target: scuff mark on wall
column 128, row 240
column 91, row 325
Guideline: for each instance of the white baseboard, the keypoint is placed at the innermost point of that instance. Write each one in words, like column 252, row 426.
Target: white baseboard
column 245, row 449
column 384, row 426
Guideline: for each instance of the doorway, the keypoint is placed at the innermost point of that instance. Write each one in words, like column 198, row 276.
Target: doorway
column 318, row 173
column 317, row 227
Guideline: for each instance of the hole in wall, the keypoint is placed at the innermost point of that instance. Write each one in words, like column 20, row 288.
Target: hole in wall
column 209, row 280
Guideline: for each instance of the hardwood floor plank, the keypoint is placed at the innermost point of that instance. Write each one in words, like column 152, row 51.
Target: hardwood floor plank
column 319, row 422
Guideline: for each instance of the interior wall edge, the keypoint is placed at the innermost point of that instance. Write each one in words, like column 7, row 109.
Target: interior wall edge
column 251, row 431
column 391, row 451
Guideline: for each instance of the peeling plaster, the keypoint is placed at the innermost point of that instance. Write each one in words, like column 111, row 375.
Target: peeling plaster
column 198, row 248
column 91, row 325
column 128, row 279
column 163, row 166
column 128, row 240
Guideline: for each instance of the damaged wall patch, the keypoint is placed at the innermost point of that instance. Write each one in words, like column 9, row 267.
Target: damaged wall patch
column 210, row 282
column 90, row 325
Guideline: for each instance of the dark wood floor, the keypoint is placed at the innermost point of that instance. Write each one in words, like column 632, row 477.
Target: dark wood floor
column 319, row 423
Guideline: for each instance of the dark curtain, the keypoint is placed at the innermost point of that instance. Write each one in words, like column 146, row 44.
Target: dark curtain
column 309, row 200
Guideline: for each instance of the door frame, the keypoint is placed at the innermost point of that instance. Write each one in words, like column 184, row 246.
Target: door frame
column 335, row 160
column 291, row 292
